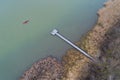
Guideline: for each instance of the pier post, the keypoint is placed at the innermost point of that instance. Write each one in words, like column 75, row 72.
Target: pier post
column 55, row 32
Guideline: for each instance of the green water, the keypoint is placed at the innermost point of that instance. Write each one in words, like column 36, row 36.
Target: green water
column 22, row 44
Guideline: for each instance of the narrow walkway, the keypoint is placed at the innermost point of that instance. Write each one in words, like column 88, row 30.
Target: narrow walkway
column 55, row 32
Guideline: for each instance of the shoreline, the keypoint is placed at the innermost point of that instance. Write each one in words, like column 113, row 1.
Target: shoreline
column 74, row 65
column 108, row 16
column 44, row 69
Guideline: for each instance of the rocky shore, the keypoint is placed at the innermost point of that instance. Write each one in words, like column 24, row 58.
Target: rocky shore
column 102, row 42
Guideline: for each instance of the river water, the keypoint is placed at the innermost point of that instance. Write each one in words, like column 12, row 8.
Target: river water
column 25, row 27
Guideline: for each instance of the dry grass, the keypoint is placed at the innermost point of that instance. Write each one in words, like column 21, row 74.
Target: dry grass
column 109, row 68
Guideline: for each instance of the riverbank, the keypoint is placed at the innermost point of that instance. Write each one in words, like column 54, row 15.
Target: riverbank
column 74, row 65
column 77, row 67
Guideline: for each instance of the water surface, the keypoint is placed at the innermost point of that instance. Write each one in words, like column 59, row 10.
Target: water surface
column 22, row 44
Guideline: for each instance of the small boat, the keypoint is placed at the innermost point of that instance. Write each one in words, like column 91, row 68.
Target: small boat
column 25, row 22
